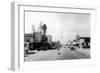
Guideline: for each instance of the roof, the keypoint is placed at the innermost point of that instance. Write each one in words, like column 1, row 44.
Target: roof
column 28, row 35
column 84, row 37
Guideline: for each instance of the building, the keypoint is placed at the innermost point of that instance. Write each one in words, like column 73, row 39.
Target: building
column 49, row 37
column 27, row 37
column 85, row 42
column 38, row 37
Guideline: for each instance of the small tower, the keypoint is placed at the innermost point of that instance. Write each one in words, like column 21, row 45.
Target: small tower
column 41, row 23
column 44, row 38
column 44, row 27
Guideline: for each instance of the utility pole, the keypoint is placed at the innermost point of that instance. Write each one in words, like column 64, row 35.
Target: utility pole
column 33, row 28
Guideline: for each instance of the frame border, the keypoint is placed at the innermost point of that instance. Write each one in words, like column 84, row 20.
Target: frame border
column 15, row 6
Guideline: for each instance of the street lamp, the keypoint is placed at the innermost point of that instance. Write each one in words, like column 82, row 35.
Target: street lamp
column 62, row 38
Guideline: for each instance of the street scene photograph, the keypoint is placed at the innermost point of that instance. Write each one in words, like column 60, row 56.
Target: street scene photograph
column 56, row 36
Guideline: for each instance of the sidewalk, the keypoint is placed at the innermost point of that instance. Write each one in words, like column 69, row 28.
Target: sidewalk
column 84, row 51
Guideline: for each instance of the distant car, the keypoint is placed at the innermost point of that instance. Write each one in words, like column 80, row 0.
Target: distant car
column 72, row 46
column 54, row 45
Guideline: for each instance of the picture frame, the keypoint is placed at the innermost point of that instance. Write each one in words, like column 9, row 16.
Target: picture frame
column 18, row 10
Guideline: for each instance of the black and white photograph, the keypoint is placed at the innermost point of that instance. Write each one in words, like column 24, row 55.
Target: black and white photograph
column 56, row 36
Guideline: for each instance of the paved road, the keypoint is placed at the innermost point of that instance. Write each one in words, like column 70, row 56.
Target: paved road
column 65, row 53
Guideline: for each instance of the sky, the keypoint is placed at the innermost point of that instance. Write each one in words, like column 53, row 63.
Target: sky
column 61, row 26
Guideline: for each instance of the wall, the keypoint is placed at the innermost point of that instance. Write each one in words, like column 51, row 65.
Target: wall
column 5, row 32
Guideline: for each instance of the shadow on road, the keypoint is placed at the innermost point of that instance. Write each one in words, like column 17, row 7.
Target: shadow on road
column 31, row 52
